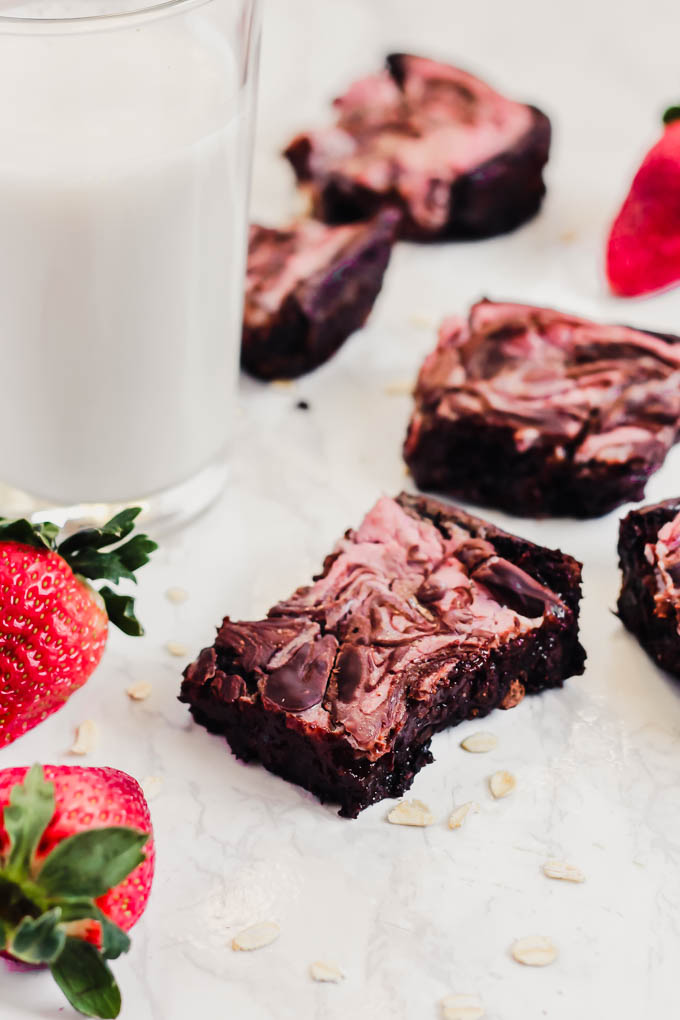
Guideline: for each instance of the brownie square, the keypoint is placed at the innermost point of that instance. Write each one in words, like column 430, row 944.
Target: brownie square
column 649, row 603
column 459, row 159
column 538, row 412
column 308, row 288
column 422, row 617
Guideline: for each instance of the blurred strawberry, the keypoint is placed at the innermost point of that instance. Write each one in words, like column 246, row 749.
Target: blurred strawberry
column 72, row 873
column 53, row 624
column 643, row 251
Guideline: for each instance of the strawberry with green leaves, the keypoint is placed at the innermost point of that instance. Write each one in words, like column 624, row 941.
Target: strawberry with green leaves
column 643, row 251
column 76, row 866
column 53, row 623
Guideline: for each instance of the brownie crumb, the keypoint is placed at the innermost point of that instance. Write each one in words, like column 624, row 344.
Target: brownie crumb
column 302, row 405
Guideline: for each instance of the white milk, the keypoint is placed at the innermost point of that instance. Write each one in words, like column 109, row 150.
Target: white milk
column 123, row 162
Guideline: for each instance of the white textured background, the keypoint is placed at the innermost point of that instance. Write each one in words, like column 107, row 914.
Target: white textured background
column 411, row 914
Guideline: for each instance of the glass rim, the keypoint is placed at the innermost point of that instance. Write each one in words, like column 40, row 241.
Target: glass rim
column 8, row 21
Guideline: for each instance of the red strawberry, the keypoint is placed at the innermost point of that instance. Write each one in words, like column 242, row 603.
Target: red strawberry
column 53, row 625
column 72, row 873
column 643, row 252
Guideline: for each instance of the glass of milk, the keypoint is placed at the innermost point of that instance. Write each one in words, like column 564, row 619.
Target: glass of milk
column 125, row 151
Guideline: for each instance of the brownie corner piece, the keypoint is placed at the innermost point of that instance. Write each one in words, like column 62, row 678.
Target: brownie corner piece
column 459, row 159
column 308, row 288
column 422, row 617
column 565, row 416
column 649, row 601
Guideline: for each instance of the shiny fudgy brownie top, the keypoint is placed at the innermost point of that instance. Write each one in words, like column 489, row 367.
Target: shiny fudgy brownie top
column 399, row 601
column 588, row 391
column 416, row 126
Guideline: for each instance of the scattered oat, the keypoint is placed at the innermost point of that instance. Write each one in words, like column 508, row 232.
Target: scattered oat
column 410, row 812
column 256, row 936
column 152, row 786
column 139, row 691
column 87, row 737
column 329, row 972
column 534, row 951
column 422, row 320
column 560, row 869
column 176, row 648
column 461, row 1007
column 501, row 784
column 399, row 389
column 459, row 814
column 479, row 743
column 177, row 595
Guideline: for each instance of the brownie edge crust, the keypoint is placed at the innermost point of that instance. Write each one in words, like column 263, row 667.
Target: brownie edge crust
column 341, row 688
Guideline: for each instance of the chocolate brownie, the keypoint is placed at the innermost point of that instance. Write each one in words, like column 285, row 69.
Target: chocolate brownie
column 422, row 617
column 308, row 288
column 540, row 413
column 456, row 157
column 649, row 603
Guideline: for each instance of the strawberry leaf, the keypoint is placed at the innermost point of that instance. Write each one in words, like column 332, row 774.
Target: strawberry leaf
column 92, row 862
column 671, row 114
column 95, row 566
column 38, row 940
column 86, row 981
column 40, row 536
column 89, row 554
column 30, row 809
column 117, row 528
column 114, row 940
column 112, row 566
column 121, row 611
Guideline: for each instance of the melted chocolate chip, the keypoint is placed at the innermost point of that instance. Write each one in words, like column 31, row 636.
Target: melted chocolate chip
column 429, row 591
column 301, row 683
column 348, row 674
column 513, row 588
column 228, row 688
column 473, row 552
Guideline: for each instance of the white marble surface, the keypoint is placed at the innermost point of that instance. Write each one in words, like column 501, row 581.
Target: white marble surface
column 410, row 914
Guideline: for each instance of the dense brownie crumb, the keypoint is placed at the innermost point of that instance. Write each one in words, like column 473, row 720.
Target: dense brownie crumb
column 422, row 617
column 307, row 289
column 539, row 412
column 456, row 157
column 649, row 603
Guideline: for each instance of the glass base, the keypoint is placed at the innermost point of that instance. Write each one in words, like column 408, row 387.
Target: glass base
column 161, row 511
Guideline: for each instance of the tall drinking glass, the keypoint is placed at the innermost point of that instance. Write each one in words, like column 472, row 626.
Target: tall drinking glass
column 125, row 152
